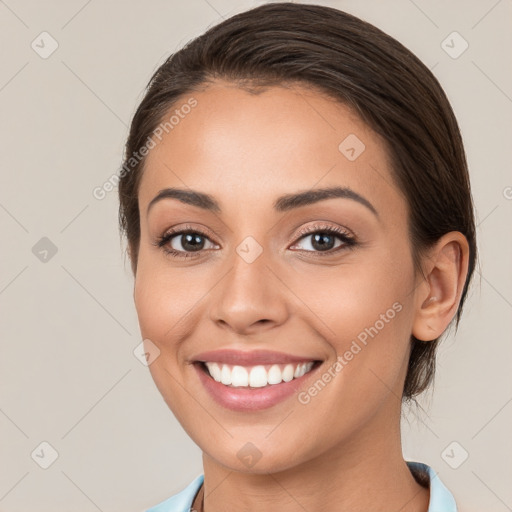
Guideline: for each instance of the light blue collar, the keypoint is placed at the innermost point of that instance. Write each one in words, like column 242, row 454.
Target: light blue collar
column 181, row 502
column 441, row 500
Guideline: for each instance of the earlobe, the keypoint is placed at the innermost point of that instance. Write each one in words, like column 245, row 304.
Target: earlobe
column 438, row 300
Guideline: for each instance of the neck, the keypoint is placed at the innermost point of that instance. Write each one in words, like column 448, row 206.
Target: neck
column 366, row 472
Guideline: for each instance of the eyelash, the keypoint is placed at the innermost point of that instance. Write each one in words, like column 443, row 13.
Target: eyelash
column 349, row 242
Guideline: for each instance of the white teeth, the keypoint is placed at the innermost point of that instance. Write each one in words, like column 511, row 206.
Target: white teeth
column 215, row 371
column 288, row 373
column 257, row 376
column 275, row 375
column 225, row 375
column 239, row 377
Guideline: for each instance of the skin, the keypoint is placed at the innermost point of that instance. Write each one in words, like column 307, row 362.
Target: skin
column 342, row 450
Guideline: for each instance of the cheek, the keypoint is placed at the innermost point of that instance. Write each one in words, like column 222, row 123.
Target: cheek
column 162, row 305
column 162, row 301
column 363, row 297
column 369, row 316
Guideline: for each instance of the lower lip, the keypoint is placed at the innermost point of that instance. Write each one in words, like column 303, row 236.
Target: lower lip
column 250, row 399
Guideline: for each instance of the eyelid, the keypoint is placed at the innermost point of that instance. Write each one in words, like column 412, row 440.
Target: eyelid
column 180, row 229
column 323, row 225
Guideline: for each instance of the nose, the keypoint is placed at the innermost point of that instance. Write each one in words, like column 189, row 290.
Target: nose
column 249, row 298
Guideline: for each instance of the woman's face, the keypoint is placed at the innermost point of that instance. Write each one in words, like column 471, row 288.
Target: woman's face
column 262, row 271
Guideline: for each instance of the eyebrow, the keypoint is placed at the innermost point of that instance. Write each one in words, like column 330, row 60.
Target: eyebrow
column 283, row 203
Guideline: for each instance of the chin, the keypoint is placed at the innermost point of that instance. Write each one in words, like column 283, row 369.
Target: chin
column 254, row 458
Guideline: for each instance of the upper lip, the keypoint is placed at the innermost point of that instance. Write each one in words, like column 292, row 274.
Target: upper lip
column 248, row 358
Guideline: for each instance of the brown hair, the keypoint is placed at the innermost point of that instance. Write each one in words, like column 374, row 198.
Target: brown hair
column 356, row 64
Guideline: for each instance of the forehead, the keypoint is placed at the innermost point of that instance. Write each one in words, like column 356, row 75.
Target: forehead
column 238, row 144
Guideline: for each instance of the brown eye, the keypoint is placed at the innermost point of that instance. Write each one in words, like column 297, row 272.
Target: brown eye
column 184, row 243
column 321, row 241
column 187, row 242
column 324, row 240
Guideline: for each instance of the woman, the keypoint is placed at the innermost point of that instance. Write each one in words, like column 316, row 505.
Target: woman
column 297, row 206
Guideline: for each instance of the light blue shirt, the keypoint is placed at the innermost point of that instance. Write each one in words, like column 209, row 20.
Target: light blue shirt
column 441, row 500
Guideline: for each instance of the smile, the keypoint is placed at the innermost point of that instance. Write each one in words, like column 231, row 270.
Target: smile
column 254, row 380
column 256, row 376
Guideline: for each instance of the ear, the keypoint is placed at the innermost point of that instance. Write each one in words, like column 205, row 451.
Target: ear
column 438, row 296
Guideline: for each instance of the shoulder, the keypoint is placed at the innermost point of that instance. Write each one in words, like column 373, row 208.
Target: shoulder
column 441, row 499
column 181, row 502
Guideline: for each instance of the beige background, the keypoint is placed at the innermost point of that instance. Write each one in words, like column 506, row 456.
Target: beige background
column 68, row 375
